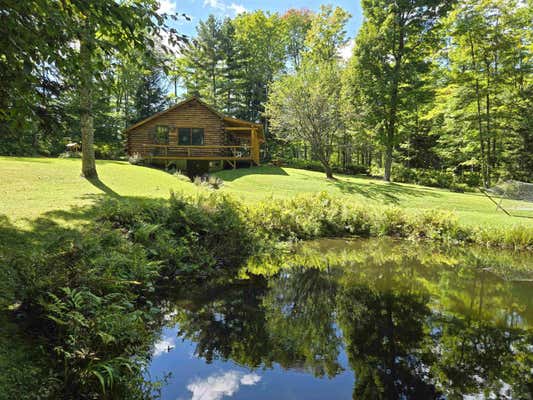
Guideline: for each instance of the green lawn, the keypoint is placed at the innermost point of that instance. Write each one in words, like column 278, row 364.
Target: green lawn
column 32, row 187
column 471, row 208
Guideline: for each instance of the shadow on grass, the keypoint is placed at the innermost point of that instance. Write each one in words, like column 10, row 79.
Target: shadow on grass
column 387, row 192
column 97, row 183
column 234, row 174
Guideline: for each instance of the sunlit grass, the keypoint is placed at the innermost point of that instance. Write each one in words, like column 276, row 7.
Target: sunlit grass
column 471, row 208
column 32, row 187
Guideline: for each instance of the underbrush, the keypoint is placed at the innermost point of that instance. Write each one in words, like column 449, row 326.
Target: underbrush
column 315, row 216
column 466, row 182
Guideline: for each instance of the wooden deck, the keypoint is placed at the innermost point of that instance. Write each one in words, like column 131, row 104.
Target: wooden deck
column 202, row 152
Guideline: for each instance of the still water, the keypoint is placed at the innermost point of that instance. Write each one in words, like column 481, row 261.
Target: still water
column 358, row 319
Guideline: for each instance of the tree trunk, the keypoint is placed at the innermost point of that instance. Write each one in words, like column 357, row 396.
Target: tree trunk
column 391, row 125
column 329, row 172
column 88, row 165
column 490, row 154
column 484, row 168
column 388, row 162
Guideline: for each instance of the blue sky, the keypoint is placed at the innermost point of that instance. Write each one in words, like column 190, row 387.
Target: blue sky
column 200, row 9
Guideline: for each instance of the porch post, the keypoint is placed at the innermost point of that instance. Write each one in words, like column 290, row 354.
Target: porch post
column 255, row 146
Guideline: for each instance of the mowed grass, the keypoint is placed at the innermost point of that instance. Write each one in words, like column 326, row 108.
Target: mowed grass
column 471, row 208
column 34, row 187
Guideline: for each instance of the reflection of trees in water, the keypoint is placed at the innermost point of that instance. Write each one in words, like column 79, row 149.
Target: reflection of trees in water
column 299, row 319
column 411, row 328
column 227, row 322
column 482, row 343
column 382, row 317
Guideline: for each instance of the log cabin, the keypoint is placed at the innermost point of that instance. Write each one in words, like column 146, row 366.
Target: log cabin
column 194, row 136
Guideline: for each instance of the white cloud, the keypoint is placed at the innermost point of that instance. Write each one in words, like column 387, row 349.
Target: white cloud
column 225, row 8
column 250, row 379
column 166, row 7
column 345, row 52
column 215, row 387
column 215, row 4
column 163, row 345
column 237, row 8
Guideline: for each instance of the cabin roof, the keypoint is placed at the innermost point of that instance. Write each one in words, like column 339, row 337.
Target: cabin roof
column 225, row 118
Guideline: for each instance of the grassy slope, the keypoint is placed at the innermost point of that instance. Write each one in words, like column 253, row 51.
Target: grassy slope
column 472, row 208
column 31, row 187
column 34, row 186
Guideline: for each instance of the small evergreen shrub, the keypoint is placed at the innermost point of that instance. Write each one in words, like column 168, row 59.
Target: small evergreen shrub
column 108, row 151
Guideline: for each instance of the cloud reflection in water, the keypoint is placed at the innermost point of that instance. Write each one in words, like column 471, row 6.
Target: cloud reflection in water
column 214, row 387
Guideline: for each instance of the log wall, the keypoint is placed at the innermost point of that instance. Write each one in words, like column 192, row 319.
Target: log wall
column 189, row 115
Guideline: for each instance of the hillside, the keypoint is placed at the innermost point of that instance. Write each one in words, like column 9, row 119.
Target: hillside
column 32, row 187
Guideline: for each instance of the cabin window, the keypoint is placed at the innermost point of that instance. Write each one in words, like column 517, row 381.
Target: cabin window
column 197, row 136
column 190, row 136
column 161, row 134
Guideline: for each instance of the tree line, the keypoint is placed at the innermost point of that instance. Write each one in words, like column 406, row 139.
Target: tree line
column 431, row 85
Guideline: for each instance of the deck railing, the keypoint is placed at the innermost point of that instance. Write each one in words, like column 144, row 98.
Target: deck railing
column 202, row 151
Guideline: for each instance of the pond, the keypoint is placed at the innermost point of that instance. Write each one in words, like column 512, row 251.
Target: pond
column 340, row 319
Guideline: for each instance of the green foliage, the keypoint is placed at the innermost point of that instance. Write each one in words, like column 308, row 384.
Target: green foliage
column 305, row 106
column 313, row 216
column 468, row 181
column 85, row 295
column 65, row 76
column 326, row 34
column 298, row 23
column 106, row 151
column 478, row 110
column 79, row 293
column 188, row 234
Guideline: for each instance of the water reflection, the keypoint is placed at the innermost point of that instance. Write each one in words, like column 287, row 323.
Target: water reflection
column 374, row 320
column 215, row 387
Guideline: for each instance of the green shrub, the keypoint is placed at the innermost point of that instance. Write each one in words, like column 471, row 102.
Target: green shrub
column 392, row 221
column 108, row 151
column 355, row 169
column 436, row 178
column 80, row 294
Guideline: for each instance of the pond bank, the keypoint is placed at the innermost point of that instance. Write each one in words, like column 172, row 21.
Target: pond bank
column 90, row 300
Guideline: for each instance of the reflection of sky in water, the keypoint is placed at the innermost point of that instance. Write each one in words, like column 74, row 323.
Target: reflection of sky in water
column 193, row 379
column 216, row 386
